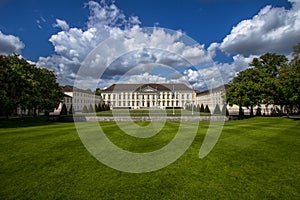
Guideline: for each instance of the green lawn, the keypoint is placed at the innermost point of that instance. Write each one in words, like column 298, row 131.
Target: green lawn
column 255, row 158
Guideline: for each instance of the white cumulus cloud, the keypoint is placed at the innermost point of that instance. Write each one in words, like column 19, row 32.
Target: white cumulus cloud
column 273, row 29
column 61, row 24
column 130, row 46
column 10, row 44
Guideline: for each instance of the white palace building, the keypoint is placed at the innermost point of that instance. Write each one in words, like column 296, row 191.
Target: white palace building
column 148, row 96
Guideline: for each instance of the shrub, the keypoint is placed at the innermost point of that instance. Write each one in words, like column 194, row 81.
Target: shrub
column 64, row 110
column 91, row 109
column 206, row 109
column 225, row 110
column 84, row 109
column 71, row 111
column 217, row 110
column 202, row 108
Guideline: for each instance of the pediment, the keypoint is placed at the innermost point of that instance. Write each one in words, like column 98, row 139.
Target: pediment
column 148, row 89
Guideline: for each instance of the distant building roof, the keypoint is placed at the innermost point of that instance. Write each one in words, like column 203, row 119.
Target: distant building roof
column 216, row 89
column 156, row 86
column 69, row 88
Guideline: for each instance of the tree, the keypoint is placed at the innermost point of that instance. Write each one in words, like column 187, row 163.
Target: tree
column 202, row 108
column 289, row 82
column 245, row 89
column 84, row 109
column 91, row 109
column 217, row 110
column 198, row 108
column 258, row 84
column 225, row 110
column 64, row 110
column 269, row 65
column 100, row 107
column 26, row 86
column 71, row 110
column 206, row 109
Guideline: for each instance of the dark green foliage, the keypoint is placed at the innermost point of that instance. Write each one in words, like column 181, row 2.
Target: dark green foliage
column 217, row 110
column 241, row 111
column 26, row 86
column 91, row 109
column 84, row 109
column 198, row 108
column 258, row 111
column 71, row 110
column 96, row 108
column 225, row 110
column 271, row 79
column 64, row 110
column 202, row 108
column 206, row 109
column 100, row 106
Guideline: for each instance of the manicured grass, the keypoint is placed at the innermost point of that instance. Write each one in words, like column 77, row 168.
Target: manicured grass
column 256, row 158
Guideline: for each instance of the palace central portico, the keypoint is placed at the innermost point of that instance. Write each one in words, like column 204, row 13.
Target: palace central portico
column 149, row 96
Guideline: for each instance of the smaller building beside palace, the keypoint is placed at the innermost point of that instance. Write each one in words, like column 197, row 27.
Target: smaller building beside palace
column 78, row 98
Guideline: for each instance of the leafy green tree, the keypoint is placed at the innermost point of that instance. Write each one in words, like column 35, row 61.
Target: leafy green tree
column 269, row 65
column 245, row 89
column 289, row 82
column 26, row 86
column 258, row 84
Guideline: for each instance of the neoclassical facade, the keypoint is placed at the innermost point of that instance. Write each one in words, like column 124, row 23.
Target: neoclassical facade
column 147, row 96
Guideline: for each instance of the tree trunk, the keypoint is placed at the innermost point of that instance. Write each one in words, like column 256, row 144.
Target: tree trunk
column 251, row 111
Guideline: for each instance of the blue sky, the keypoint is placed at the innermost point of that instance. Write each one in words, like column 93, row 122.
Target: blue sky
column 27, row 26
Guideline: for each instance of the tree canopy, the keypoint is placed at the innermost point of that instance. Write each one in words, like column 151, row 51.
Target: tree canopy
column 270, row 79
column 25, row 86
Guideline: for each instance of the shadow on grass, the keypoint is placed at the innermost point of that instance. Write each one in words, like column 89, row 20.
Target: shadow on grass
column 25, row 122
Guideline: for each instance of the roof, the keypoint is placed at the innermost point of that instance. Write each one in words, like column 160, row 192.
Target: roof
column 69, row 88
column 156, row 86
column 216, row 89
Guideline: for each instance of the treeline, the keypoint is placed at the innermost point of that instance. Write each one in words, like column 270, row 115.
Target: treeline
column 86, row 109
column 217, row 110
column 27, row 87
column 271, row 80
